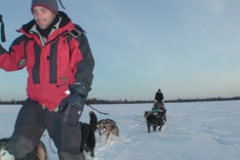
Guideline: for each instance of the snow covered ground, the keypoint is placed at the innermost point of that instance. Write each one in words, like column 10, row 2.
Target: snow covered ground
column 193, row 131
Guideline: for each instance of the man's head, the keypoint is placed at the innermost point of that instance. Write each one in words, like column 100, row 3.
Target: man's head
column 51, row 5
column 44, row 12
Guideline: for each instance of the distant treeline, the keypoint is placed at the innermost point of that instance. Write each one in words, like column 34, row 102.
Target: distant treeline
column 97, row 101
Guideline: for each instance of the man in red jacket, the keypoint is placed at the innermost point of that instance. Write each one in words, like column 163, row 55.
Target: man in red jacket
column 59, row 62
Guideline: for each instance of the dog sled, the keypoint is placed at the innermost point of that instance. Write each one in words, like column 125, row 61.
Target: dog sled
column 158, row 108
column 156, row 117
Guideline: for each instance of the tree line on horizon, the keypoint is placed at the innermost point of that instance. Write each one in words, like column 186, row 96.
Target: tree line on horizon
column 99, row 101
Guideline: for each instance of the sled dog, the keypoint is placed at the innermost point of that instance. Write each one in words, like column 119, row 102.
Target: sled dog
column 40, row 151
column 107, row 127
column 88, row 135
column 154, row 120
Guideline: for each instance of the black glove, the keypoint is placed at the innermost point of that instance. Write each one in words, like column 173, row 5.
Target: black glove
column 74, row 109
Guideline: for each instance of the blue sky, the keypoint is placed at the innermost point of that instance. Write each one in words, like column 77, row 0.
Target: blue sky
column 188, row 48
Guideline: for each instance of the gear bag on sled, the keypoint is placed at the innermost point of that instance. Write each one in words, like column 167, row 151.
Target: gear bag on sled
column 158, row 108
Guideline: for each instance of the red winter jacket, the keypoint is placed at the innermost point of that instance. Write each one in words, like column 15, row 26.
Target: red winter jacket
column 65, row 58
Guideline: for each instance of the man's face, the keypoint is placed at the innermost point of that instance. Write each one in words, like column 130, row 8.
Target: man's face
column 43, row 16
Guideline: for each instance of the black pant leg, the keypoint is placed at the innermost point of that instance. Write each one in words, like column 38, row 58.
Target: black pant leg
column 66, row 139
column 28, row 129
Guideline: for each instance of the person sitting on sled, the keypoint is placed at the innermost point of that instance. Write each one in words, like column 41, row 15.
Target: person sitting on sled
column 158, row 106
column 159, row 98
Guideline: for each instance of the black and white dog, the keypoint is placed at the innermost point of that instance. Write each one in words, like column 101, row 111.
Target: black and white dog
column 155, row 120
column 88, row 135
column 40, row 150
column 107, row 127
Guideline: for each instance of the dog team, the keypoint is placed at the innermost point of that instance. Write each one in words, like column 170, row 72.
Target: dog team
column 105, row 127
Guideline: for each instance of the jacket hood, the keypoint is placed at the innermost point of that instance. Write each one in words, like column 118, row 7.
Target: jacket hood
column 65, row 20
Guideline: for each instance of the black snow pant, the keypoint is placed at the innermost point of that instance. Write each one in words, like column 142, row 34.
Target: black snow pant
column 32, row 121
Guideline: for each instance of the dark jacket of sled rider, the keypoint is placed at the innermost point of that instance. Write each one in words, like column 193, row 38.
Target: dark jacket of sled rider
column 159, row 96
column 59, row 62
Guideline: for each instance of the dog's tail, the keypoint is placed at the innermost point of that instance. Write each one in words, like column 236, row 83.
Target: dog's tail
column 41, row 151
column 93, row 120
